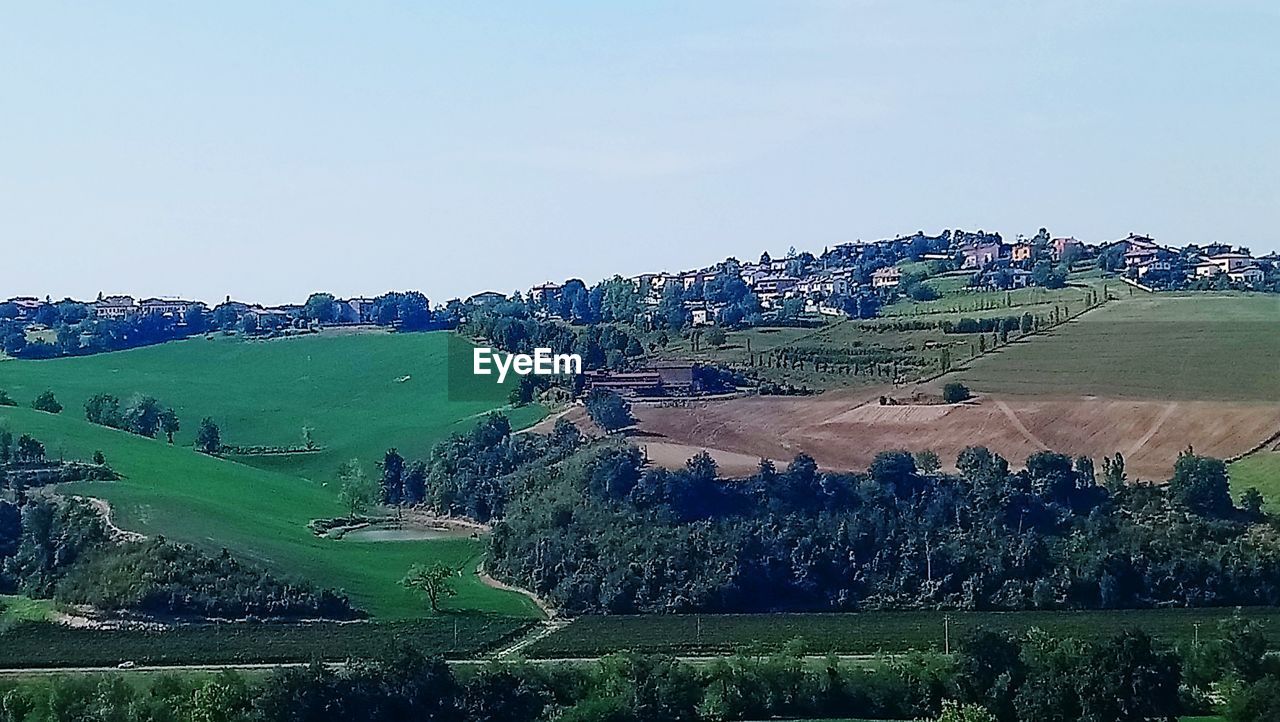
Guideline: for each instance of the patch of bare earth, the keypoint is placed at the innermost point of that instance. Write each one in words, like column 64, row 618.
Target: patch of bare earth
column 846, row 430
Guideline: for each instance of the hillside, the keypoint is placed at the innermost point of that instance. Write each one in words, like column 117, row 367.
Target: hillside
column 360, row 393
column 1145, row 377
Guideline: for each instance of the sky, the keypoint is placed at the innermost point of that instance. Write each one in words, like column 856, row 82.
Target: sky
column 268, row 150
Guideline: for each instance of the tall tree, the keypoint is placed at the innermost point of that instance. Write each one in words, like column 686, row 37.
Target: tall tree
column 435, row 581
column 392, row 478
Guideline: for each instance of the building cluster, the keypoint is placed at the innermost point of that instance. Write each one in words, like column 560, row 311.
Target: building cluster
column 1141, row 258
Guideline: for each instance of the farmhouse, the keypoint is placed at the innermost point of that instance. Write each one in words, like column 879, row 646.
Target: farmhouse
column 546, row 292
column 1065, row 246
column 980, row 254
column 167, row 307
column 668, row 378
column 114, row 307
column 1249, row 275
column 886, row 277
column 485, row 298
column 772, row 287
column 1022, row 251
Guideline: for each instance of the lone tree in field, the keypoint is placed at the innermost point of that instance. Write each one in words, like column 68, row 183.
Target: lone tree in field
column 208, row 437
column 169, row 423
column 358, row 492
column 435, row 581
column 955, row 392
column 47, row 402
column 610, row 411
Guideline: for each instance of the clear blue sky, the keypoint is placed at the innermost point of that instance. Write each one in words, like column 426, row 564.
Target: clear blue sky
column 266, row 149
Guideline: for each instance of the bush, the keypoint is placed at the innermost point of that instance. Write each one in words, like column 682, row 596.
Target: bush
column 47, row 402
column 955, row 392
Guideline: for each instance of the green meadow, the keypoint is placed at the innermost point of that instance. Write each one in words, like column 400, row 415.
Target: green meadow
column 1211, row 347
column 360, row 393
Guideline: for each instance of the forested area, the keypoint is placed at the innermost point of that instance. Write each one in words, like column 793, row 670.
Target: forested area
column 592, row 528
column 60, row 548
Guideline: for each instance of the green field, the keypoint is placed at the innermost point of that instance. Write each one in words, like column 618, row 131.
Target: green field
column 264, row 392
column 1219, row 347
column 867, row 632
column 52, row 645
column 1261, row 471
column 958, row 299
column 360, row 393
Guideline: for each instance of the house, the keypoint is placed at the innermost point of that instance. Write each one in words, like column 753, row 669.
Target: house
column 886, row 277
column 546, row 292
column 1022, row 251
column 1229, row 262
column 666, row 378
column 486, row 298
column 1248, row 275
column 1019, row 277
column 980, row 254
column 114, row 307
column 1158, row 263
column 830, row 283
column 360, row 310
column 174, row 308
column 771, row 287
column 1206, row 269
column 27, row 306
column 1062, row 245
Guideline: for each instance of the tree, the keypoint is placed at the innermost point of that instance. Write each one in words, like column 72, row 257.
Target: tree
column 99, row 458
column 1113, row 476
column 1200, row 483
column 6, row 400
column 953, row 711
column 392, row 478
column 319, row 308
column 142, row 416
column 955, row 392
column 357, row 493
column 1252, row 501
column 435, row 581
column 103, row 409
column 610, row 411
column 415, row 483
column 47, row 402
column 927, row 461
column 716, row 337
column 169, row 423
column 208, row 437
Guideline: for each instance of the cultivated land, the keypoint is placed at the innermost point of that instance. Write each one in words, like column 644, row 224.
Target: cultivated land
column 347, row 387
column 52, row 645
column 1193, row 347
column 868, row 632
column 1145, row 377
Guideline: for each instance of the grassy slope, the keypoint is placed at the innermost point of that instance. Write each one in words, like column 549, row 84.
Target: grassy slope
column 260, row 515
column 1160, row 347
column 344, row 387
column 1261, row 471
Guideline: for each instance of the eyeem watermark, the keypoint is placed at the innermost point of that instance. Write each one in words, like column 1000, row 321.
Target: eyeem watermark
column 542, row 362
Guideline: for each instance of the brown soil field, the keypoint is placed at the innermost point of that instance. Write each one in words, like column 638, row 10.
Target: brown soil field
column 843, row 430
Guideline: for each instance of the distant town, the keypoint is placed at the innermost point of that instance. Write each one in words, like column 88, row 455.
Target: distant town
column 849, row 280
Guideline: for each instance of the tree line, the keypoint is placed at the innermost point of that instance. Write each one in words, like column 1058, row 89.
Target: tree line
column 992, row 677
column 593, row 528
column 60, row 548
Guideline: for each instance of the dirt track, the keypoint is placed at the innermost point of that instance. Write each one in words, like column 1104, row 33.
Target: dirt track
column 845, row 430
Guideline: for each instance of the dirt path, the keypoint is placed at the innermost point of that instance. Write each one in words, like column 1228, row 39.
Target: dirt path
column 1017, row 424
column 1164, row 416
column 492, row 583
column 104, row 510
